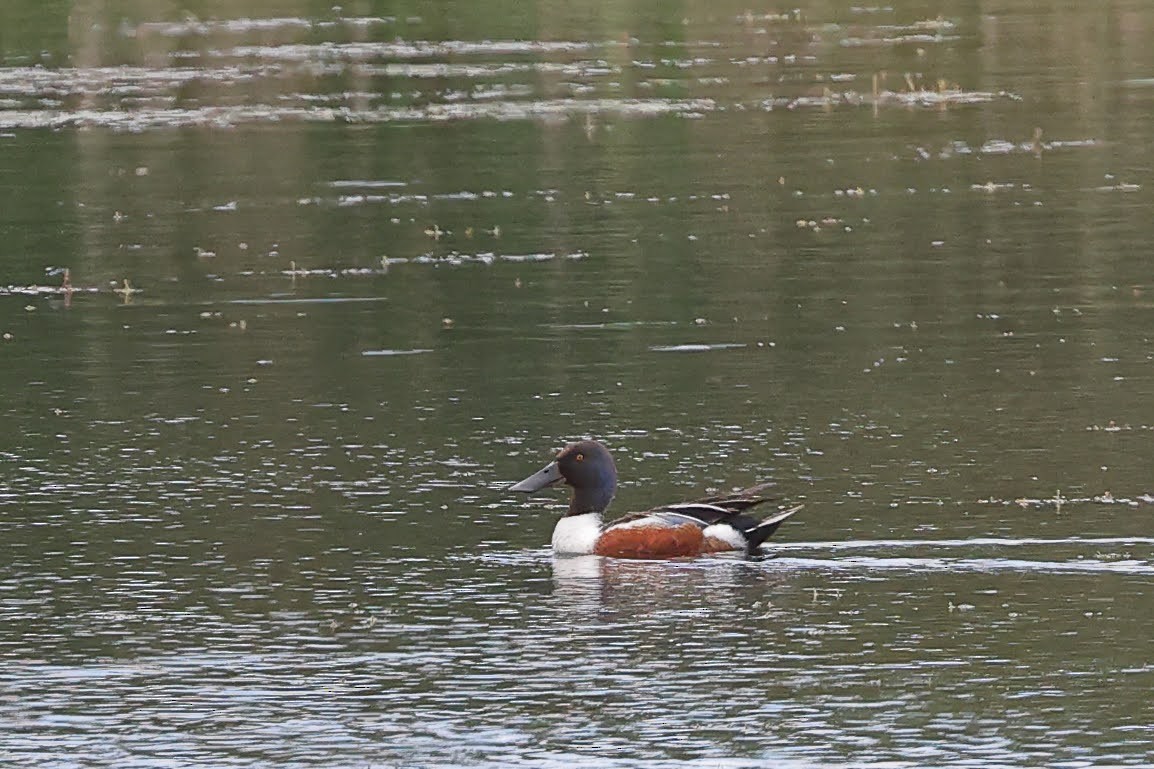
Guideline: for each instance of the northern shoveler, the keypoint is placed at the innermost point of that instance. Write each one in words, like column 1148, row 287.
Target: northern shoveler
column 709, row 525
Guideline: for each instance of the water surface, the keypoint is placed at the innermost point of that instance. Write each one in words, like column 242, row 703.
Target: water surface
column 290, row 294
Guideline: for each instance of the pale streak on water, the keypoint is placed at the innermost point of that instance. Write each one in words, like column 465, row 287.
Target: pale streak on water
column 123, row 97
column 727, row 249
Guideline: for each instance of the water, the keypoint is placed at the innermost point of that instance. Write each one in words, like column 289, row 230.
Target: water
column 380, row 263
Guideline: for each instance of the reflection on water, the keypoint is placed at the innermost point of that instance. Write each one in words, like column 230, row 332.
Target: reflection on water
column 293, row 62
column 289, row 298
column 779, row 660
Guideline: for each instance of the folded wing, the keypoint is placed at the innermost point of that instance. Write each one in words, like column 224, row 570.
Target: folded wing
column 711, row 524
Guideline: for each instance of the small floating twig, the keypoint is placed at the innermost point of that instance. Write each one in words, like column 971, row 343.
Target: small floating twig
column 294, row 272
column 126, row 291
column 66, row 287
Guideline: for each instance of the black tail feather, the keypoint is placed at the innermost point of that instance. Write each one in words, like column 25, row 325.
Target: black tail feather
column 764, row 529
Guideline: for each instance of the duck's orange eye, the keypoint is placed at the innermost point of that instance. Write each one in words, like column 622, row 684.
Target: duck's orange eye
column 580, row 457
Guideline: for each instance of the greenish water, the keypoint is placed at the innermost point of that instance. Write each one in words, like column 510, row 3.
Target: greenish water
column 383, row 261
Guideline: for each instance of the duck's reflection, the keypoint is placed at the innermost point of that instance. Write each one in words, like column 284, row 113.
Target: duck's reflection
column 591, row 583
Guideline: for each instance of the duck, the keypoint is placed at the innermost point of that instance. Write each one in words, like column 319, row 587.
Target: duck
column 713, row 524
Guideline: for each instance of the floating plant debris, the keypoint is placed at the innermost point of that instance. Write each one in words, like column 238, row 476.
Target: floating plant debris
column 697, row 347
column 387, row 352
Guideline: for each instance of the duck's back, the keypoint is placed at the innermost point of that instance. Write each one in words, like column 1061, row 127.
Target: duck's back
column 708, row 525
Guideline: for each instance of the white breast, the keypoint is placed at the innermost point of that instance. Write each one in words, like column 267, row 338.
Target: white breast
column 576, row 534
column 727, row 534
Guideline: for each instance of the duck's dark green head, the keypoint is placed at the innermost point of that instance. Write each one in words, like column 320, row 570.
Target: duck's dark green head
column 588, row 467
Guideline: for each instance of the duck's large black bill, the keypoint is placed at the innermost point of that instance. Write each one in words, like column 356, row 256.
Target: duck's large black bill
column 546, row 476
